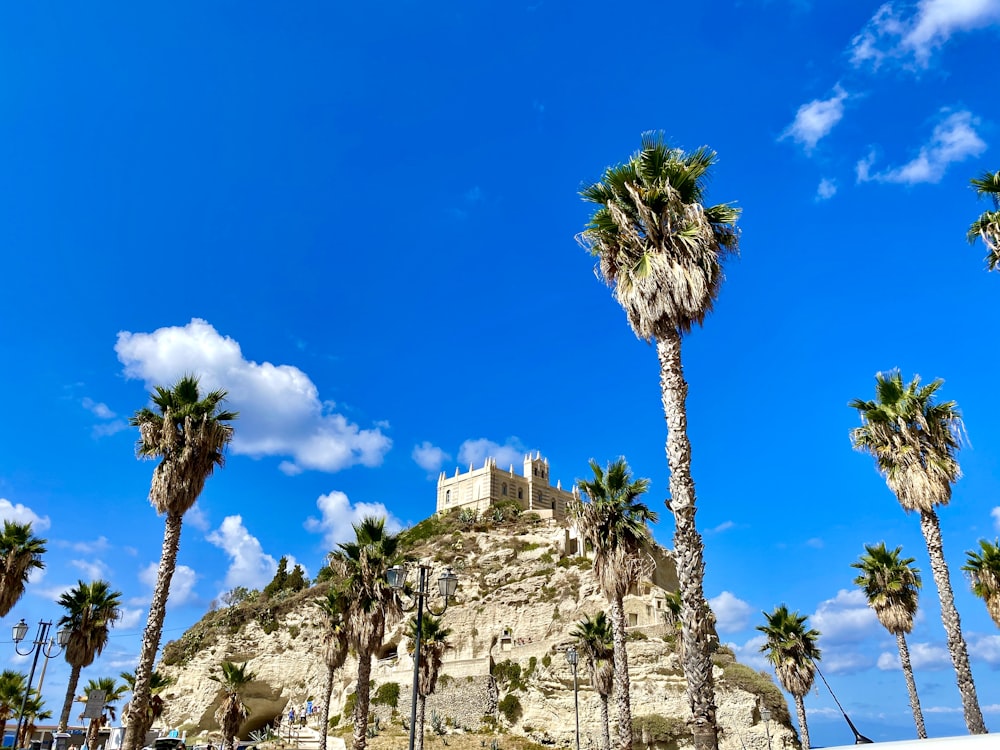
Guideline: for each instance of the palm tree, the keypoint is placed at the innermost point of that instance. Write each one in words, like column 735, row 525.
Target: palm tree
column 433, row 644
column 91, row 609
column 233, row 711
column 34, row 711
column 914, row 439
column 613, row 521
column 20, row 553
column 333, row 605
column 792, row 649
column 158, row 682
column 189, row 434
column 661, row 251
column 892, row 587
column 12, row 687
column 113, row 692
column 983, row 569
column 595, row 640
column 987, row 226
column 362, row 565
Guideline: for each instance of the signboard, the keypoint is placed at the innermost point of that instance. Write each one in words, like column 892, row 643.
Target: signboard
column 95, row 704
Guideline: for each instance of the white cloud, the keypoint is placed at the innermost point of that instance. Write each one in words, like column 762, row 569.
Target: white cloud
column 845, row 661
column 750, row 654
column 250, row 566
column 475, row 452
column 731, row 613
column 429, row 457
column 281, row 413
column 99, row 410
column 894, row 35
column 846, row 618
column 995, row 515
column 86, row 547
column 19, row 513
column 987, row 648
column 338, row 517
column 181, row 584
column 826, row 190
column 102, row 411
column 922, row 656
column 954, row 139
column 815, row 542
column 816, row 119
column 197, row 518
column 130, row 618
column 93, row 568
column 724, row 526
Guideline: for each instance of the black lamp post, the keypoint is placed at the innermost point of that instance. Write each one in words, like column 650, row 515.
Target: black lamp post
column 42, row 644
column 447, row 585
column 765, row 714
column 573, row 658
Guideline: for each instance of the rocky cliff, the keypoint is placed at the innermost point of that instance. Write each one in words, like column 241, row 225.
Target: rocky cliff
column 522, row 589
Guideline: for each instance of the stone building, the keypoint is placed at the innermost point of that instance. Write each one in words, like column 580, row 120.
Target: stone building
column 478, row 489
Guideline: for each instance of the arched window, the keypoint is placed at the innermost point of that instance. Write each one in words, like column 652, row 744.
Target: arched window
column 447, row 496
column 520, row 494
column 503, row 489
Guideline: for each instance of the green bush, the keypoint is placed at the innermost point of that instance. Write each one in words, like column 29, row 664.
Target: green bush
column 511, row 708
column 349, row 703
column 659, row 728
column 744, row 678
column 334, row 721
column 387, row 695
column 508, row 674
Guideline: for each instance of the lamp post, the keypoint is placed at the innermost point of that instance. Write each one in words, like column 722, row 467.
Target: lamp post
column 573, row 658
column 765, row 714
column 447, row 585
column 42, row 644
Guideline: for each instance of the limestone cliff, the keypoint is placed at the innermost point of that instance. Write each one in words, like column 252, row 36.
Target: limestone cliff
column 522, row 589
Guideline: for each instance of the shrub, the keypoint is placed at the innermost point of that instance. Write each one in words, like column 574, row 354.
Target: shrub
column 658, row 728
column 508, row 673
column 744, row 678
column 334, row 721
column 349, row 703
column 511, row 709
column 387, row 695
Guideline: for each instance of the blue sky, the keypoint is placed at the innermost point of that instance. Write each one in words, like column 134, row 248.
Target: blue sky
column 360, row 220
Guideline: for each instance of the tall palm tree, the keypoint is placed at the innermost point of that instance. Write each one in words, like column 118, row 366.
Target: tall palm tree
column 433, row 643
column 612, row 519
column 595, row 640
column 113, row 692
column 792, row 649
column 335, row 646
column 158, row 682
column 983, row 569
column 661, row 251
column 892, row 588
column 20, row 553
column 189, row 433
column 91, row 609
column 914, row 439
column 987, row 226
column 34, row 711
column 233, row 711
column 362, row 565
column 12, row 687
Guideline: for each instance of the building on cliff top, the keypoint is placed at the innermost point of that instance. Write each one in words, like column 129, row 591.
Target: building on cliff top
column 478, row 489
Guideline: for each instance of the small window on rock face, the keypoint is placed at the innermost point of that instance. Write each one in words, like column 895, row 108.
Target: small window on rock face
column 503, row 489
column 520, row 494
column 447, row 496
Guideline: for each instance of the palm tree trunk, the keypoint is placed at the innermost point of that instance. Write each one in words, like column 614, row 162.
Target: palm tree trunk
column 361, row 705
column 800, row 712
column 605, row 725
column 623, row 700
column 911, row 686
column 325, row 712
column 74, row 680
column 419, row 729
column 140, row 719
column 93, row 730
column 688, row 547
column 952, row 623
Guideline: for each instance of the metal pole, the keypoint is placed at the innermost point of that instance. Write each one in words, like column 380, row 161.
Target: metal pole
column 40, row 638
column 416, row 653
column 576, row 707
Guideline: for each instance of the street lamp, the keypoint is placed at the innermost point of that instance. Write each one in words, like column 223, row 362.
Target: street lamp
column 447, row 585
column 765, row 714
column 42, row 644
column 573, row 658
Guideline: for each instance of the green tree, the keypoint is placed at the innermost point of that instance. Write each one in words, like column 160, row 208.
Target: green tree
column 595, row 640
column 613, row 521
column 20, row 553
column 113, row 692
column 335, row 646
column 987, row 226
column 189, row 434
column 34, row 711
column 791, row 649
column 983, row 569
column 12, row 687
column 433, row 643
column 158, row 682
column 361, row 566
column 91, row 609
column 914, row 440
column 232, row 712
column 892, row 588
column 660, row 249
